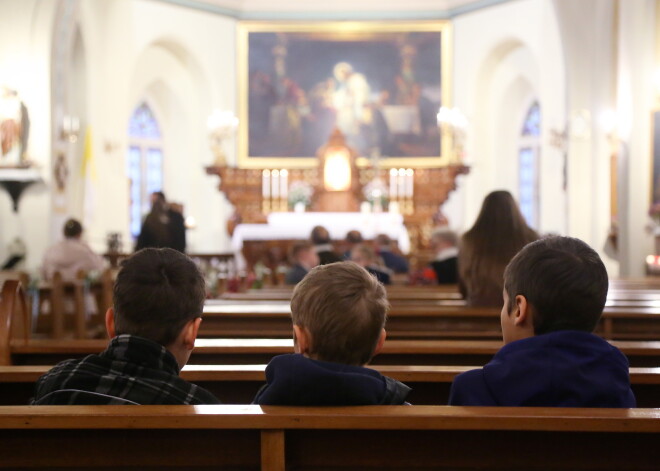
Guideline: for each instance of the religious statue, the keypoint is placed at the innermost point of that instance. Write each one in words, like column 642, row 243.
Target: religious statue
column 14, row 128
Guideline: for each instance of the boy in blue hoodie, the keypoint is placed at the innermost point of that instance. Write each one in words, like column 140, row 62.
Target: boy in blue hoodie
column 554, row 295
column 338, row 312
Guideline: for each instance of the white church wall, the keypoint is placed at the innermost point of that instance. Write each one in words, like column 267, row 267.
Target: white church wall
column 183, row 60
column 25, row 41
column 497, row 51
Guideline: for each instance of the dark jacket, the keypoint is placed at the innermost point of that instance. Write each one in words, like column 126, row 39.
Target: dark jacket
column 296, row 380
column 559, row 369
column 446, row 271
column 295, row 274
column 394, row 262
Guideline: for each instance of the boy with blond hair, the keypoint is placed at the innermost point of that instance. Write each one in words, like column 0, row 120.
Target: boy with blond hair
column 339, row 312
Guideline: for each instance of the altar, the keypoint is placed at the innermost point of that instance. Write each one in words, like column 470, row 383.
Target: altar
column 288, row 226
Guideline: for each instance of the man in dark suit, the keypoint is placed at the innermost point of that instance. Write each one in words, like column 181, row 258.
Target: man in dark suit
column 321, row 240
column 444, row 242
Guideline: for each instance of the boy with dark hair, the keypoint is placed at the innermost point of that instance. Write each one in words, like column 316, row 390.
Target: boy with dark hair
column 554, row 295
column 338, row 312
column 158, row 301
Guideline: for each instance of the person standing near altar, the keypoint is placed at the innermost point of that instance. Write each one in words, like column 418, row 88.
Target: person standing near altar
column 321, row 240
column 164, row 226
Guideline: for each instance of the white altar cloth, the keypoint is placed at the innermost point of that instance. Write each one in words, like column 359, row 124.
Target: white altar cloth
column 283, row 226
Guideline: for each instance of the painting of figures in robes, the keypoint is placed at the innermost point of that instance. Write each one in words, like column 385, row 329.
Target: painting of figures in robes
column 380, row 84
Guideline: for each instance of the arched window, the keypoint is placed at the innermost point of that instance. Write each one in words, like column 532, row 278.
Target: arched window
column 528, row 163
column 145, row 163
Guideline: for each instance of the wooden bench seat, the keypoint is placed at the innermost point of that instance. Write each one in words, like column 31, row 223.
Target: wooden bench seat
column 365, row 438
column 238, row 384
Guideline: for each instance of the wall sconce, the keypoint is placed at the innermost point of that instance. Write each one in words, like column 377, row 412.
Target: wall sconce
column 221, row 125
column 70, row 128
column 453, row 127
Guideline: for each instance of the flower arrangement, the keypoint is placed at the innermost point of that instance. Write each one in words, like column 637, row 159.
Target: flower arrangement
column 376, row 191
column 300, row 192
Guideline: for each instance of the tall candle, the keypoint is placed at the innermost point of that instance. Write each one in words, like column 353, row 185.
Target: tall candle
column 402, row 182
column 409, row 182
column 275, row 183
column 284, row 183
column 392, row 184
column 265, row 184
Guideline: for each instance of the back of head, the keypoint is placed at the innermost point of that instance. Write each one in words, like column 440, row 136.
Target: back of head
column 354, row 237
column 499, row 232
column 156, row 293
column 383, row 240
column 564, row 281
column 320, row 235
column 72, row 228
column 344, row 308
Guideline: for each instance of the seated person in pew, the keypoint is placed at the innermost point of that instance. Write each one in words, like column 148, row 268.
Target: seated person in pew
column 338, row 312
column 554, row 294
column 304, row 258
column 444, row 243
column 158, row 301
column 71, row 255
column 395, row 262
column 365, row 256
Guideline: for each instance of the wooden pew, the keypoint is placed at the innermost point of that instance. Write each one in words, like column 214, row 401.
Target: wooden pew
column 416, row 321
column 279, row 438
column 238, row 384
column 253, row 351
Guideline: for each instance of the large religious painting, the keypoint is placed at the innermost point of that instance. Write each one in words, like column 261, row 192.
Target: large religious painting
column 381, row 84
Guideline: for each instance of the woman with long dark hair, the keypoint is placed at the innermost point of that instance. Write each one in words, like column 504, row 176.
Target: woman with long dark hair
column 499, row 232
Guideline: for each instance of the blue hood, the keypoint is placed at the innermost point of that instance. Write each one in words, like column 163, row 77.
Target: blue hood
column 560, row 369
column 297, row 380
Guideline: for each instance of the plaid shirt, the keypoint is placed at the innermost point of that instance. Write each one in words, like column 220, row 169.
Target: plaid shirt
column 132, row 368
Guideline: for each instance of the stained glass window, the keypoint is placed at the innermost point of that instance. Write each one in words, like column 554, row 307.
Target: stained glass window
column 528, row 158
column 145, row 164
column 143, row 124
column 532, row 124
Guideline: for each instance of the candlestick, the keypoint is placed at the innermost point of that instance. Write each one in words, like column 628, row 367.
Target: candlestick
column 265, row 184
column 401, row 179
column 409, row 182
column 275, row 183
column 392, row 184
column 284, row 187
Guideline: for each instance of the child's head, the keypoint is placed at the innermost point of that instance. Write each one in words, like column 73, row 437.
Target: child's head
column 303, row 253
column 557, row 283
column 339, row 312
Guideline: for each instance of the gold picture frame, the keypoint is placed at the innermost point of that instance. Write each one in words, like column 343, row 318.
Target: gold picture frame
column 381, row 83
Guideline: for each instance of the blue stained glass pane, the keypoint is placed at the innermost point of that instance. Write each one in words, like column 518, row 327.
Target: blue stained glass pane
column 135, row 178
column 154, row 170
column 527, row 185
column 143, row 124
column 532, row 124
